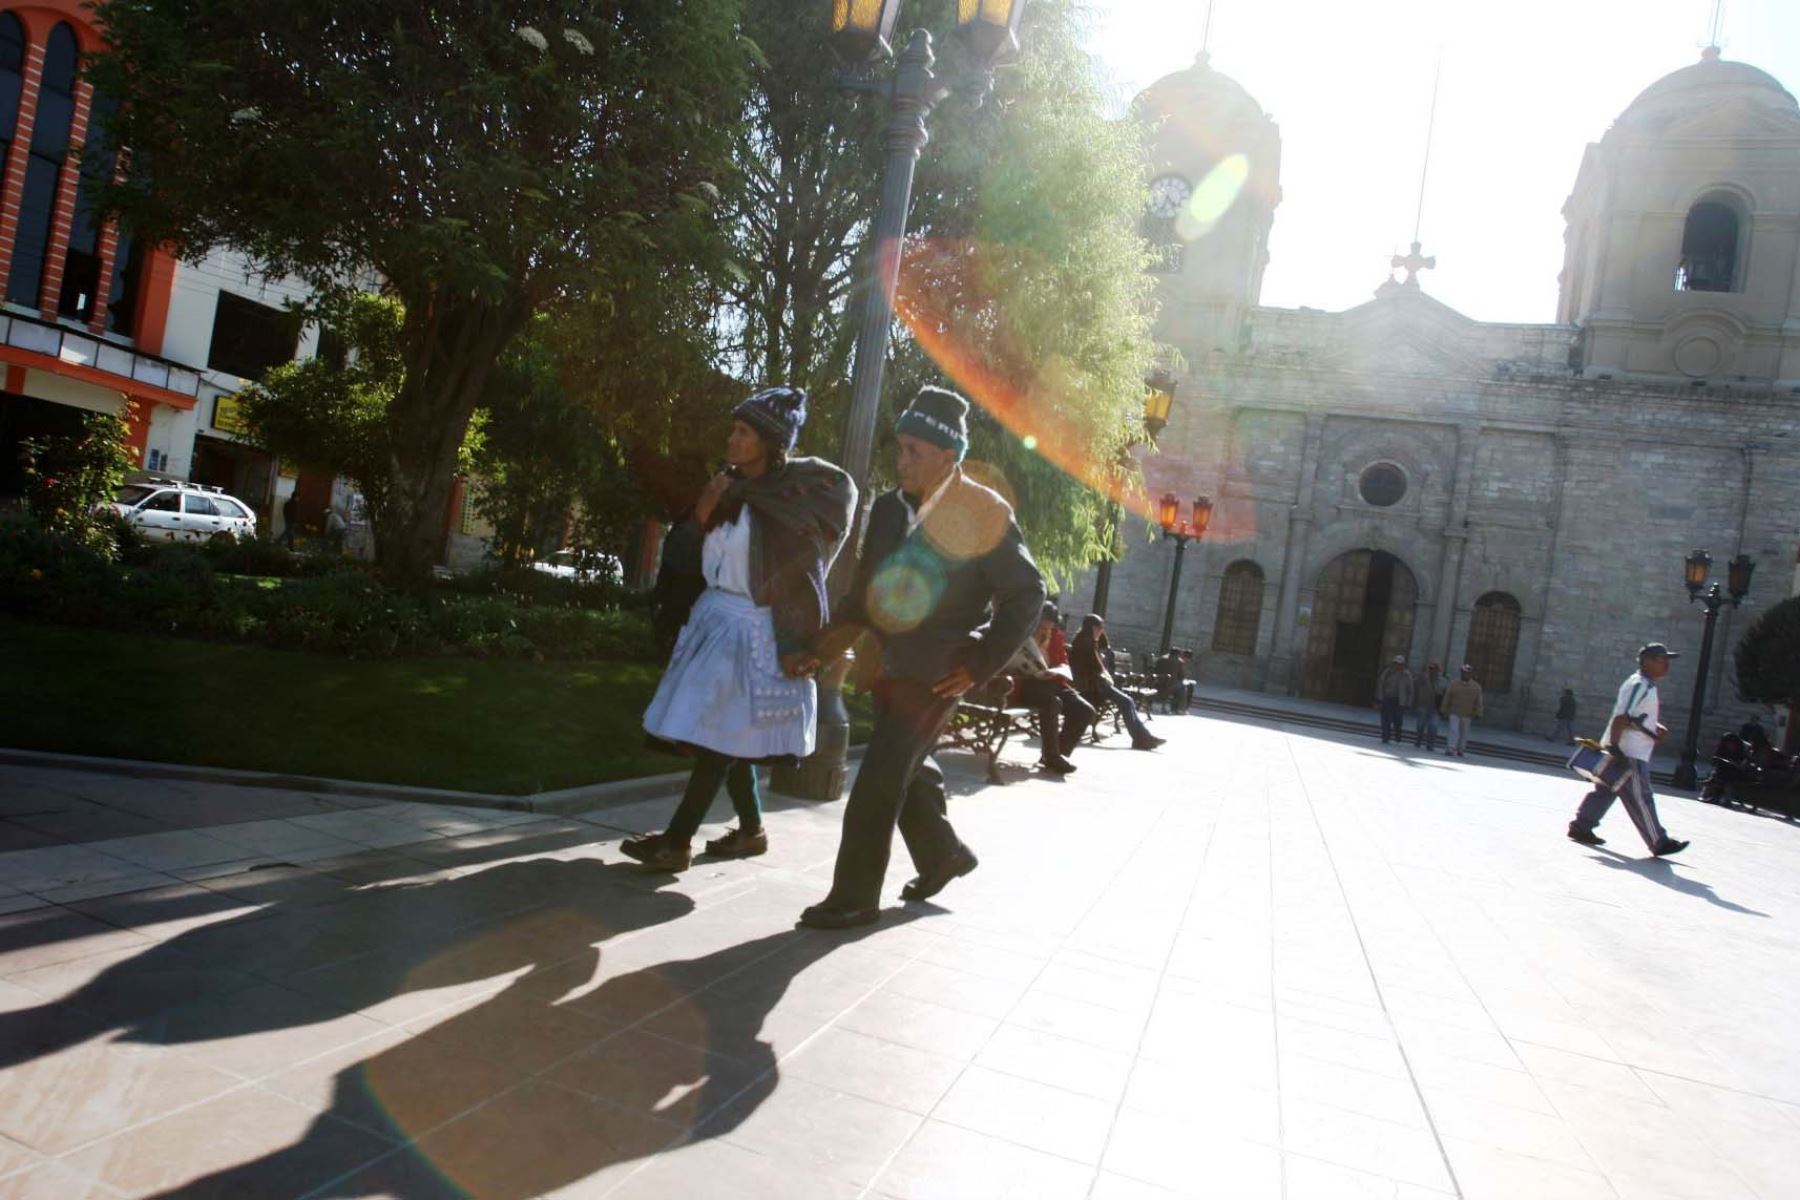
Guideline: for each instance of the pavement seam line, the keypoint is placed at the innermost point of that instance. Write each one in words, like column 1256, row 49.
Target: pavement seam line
column 1363, row 949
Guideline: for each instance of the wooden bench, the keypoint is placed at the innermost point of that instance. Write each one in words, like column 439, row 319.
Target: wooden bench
column 984, row 723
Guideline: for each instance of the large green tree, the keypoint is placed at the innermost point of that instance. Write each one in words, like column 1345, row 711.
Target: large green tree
column 483, row 161
column 1768, row 656
column 1024, row 283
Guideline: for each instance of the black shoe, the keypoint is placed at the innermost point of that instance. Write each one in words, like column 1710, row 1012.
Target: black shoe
column 1148, row 742
column 923, row 887
column 829, row 916
column 739, row 843
column 655, row 850
column 1669, row 846
column 1586, row 837
column 1056, row 766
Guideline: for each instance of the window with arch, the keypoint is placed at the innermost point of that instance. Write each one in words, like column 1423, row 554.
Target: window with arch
column 1240, row 609
column 12, row 78
column 1709, row 249
column 1493, row 641
column 43, row 167
column 81, row 258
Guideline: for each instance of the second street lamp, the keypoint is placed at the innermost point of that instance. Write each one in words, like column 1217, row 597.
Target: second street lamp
column 1159, row 401
column 1738, row 573
column 1181, row 533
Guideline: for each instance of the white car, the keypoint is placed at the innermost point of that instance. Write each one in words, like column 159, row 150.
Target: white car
column 167, row 510
column 585, row 567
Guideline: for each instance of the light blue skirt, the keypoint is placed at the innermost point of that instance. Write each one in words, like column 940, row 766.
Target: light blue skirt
column 724, row 689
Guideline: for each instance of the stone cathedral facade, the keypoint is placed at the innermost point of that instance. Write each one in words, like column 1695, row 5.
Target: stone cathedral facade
column 1401, row 479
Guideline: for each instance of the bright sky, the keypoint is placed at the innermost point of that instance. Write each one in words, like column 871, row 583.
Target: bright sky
column 1527, row 84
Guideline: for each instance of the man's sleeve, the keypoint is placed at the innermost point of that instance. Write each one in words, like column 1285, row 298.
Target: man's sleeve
column 1018, row 588
column 850, row 616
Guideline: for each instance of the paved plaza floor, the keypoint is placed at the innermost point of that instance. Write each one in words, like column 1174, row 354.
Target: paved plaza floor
column 1256, row 963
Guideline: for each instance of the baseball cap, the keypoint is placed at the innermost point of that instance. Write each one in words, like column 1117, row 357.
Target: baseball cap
column 1658, row 648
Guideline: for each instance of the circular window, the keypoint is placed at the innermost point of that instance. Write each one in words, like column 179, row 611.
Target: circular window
column 1382, row 485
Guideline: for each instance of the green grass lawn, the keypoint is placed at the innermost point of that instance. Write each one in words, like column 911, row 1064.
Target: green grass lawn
column 469, row 724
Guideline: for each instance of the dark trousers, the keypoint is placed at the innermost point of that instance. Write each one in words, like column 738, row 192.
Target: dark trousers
column 710, row 770
column 1062, row 715
column 898, row 785
column 1639, row 801
column 1393, row 719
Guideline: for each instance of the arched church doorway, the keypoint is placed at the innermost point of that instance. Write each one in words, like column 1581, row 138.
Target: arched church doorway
column 1362, row 616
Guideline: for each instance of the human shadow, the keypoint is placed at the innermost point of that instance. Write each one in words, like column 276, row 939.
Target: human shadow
column 687, row 1060
column 1661, row 871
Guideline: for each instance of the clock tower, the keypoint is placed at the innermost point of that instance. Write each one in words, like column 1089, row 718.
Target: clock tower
column 1215, row 163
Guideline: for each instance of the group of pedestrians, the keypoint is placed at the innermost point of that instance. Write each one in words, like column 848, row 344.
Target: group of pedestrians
column 944, row 586
column 1428, row 695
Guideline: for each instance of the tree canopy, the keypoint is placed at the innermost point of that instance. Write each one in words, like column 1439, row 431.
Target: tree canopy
column 1023, row 282
column 1768, row 656
column 483, row 161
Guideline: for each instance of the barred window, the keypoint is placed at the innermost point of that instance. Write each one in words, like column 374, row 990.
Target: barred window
column 1240, row 609
column 1493, row 639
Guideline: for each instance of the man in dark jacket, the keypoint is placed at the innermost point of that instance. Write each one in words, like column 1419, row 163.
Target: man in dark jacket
column 947, row 587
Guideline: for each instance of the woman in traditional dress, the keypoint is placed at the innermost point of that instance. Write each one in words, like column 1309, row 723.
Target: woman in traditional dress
column 733, row 694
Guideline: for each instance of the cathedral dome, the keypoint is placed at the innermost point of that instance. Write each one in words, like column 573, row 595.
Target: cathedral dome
column 1200, row 87
column 1713, row 81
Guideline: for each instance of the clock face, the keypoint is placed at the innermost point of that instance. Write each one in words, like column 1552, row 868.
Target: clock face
column 1167, row 194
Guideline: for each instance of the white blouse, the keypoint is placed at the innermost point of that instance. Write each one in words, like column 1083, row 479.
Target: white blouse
column 725, row 555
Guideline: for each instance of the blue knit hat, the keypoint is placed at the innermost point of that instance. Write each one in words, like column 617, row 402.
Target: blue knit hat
column 940, row 417
column 778, row 413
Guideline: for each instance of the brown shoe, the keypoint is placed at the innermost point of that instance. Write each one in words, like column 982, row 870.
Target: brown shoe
column 656, row 851
column 740, row 843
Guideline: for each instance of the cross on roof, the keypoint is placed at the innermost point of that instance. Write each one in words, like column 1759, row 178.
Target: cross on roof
column 1413, row 263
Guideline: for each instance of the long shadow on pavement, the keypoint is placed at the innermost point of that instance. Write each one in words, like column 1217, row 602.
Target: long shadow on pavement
column 561, row 1072
column 1661, row 871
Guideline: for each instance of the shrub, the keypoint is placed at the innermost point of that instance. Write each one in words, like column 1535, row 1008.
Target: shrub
column 1768, row 656
column 342, row 608
column 70, row 482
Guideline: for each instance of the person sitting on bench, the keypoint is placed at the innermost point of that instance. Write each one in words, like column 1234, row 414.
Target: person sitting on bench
column 1047, row 688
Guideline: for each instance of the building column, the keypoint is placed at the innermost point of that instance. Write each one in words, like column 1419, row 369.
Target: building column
column 12, row 190
column 62, row 222
column 108, row 250
column 1282, row 676
column 1455, row 540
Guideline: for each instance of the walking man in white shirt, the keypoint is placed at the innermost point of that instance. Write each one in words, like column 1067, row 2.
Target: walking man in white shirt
column 1632, row 733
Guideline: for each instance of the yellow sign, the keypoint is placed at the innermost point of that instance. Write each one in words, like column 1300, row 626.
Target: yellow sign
column 227, row 414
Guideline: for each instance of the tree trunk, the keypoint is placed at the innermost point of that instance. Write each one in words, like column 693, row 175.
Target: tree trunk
column 449, row 343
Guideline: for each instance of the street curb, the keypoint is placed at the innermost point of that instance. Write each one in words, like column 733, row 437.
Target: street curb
column 561, row 802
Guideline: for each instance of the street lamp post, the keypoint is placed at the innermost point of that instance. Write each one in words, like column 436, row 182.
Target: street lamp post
column 1699, row 563
column 1181, row 533
column 860, row 30
column 860, row 33
column 1159, row 399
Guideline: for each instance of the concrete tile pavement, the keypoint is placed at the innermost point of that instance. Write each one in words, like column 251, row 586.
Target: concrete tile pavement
column 1255, row 963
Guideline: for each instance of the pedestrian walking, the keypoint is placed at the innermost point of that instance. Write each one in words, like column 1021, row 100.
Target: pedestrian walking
column 1394, row 694
column 1631, row 734
column 1045, row 686
column 1564, row 731
column 1462, row 704
column 947, row 587
column 735, row 692
column 1428, row 693
column 290, row 521
column 1088, row 658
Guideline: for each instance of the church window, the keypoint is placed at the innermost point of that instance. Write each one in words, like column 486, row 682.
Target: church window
column 1709, row 249
column 1493, row 640
column 1240, row 609
column 1382, row 485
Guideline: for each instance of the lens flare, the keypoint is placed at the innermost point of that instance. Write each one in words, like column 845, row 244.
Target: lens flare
column 1213, row 198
